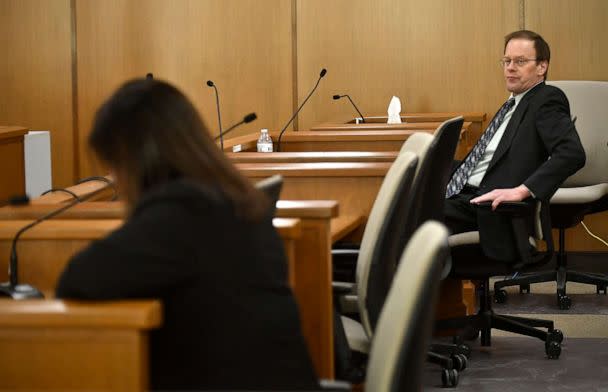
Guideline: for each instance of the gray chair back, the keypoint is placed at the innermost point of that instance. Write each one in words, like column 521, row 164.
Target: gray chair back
column 402, row 335
column 377, row 240
column 588, row 102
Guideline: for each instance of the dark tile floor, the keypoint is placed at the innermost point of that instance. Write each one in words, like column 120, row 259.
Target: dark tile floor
column 541, row 303
column 519, row 364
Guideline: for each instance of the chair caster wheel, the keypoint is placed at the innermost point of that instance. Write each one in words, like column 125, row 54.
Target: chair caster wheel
column 555, row 336
column 524, row 288
column 459, row 361
column 464, row 350
column 564, row 302
column 500, row 296
column 449, row 378
column 553, row 349
column 600, row 288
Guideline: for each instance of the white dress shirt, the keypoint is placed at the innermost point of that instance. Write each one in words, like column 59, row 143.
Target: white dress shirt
column 480, row 169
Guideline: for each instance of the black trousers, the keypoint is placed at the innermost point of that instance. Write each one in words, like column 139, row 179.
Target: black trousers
column 460, row 214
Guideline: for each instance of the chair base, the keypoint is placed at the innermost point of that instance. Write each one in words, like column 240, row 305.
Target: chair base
column 450, row 367
column 485, row 320
column 561, row 276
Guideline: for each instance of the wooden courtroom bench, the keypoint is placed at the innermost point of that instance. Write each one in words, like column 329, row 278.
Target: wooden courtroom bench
column 91, row 189
column 12, row 161
column 307, row 246
column 346, row 140
column 69, row 345
column 312, row 156
column 474, row 129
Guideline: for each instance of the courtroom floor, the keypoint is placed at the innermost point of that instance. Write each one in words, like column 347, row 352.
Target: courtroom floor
column 518, row 364
column 515, row 363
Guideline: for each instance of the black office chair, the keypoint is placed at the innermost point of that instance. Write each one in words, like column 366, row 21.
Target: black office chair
column 584, row 193
column 272, row 187
column 530, row 224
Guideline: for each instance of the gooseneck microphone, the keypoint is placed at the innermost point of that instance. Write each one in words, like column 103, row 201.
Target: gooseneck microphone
column 247, row 119
column 219, row 117
column 323, row 72
column 12, row 288
column 353, row 103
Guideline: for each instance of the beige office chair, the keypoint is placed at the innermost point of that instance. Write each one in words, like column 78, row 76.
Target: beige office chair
column 584, row 193
column 400, row 343
column 424, row 202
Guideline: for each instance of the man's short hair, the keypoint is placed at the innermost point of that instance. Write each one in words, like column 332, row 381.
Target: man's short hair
column 543, row 53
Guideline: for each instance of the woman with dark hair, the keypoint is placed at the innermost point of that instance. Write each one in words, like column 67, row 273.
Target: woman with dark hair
column 198, row 236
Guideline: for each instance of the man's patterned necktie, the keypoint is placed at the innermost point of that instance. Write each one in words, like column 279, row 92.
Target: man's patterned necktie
column 461, row 175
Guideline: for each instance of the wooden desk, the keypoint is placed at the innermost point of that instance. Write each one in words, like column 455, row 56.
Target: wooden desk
column 475, row 118
column 375, row 124
column 12, row 162
column 93, row 190
column 44, row 251
column 353, row 184
column 312, row 156
column 344, row 140
column 68, row 345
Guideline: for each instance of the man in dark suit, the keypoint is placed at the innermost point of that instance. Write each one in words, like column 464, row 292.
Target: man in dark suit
column 529, row 148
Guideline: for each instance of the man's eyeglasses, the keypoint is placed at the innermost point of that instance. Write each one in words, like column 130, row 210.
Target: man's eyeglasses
column 520, row 62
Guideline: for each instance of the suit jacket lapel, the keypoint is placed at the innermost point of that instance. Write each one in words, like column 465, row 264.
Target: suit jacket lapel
column 513, row 126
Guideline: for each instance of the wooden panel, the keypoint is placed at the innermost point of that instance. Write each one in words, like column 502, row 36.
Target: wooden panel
column 65, row 345
column 577, row 238
column 35, row 75
column 312, row 156
column 435, row 55
column 576, row 32
column 244, row 46
column 44, row 251
column 89, row 190
column 12, row 177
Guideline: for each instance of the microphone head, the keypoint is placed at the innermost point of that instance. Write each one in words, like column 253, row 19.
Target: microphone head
column 323, row 72
column 19, row 200
column 149, row 76
column 210, row 83
column 250, row 117
column 337, row 96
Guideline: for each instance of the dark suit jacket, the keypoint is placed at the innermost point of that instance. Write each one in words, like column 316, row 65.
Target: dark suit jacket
column 230, row 320
column 540, row 148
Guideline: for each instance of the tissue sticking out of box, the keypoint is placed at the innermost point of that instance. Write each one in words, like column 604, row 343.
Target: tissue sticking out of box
column 394, row 111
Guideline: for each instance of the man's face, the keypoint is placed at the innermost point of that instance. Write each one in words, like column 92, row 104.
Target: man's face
column 521, row 78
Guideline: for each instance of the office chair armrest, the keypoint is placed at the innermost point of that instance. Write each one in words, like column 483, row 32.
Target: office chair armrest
column 342, row 288
column 510, row 208
column 344, row 264
column 334, row 385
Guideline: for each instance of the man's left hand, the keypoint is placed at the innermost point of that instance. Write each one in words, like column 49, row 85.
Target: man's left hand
column 497, row 196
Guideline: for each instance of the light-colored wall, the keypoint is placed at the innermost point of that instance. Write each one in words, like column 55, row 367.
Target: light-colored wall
column 436, row 55
column 36, row 75
column 244, row 46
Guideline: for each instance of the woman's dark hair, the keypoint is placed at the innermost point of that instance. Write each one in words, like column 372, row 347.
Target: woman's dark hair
column 149, row 130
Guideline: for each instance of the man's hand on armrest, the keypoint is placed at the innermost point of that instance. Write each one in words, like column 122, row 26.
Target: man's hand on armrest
column 498, row 196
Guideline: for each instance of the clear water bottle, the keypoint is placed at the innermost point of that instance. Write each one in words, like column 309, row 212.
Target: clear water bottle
column 264, row 142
